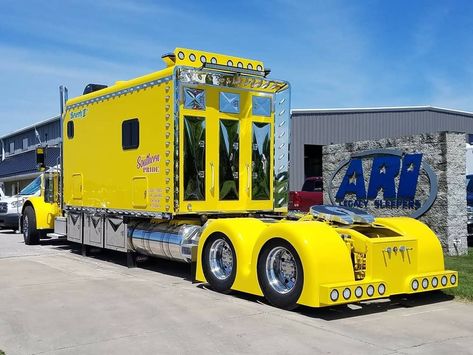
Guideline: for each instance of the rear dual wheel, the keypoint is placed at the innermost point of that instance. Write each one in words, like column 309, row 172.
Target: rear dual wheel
column 219, row 263
column 279, row 268
column 280, row 274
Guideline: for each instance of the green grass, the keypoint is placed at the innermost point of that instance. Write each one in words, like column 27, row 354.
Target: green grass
column 464, row 266
column 2, row 352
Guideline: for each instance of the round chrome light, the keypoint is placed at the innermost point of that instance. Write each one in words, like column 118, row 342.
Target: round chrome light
column 435, row 282
column 443, row 280
column 240, row 65
column 415, row 285
column 453, row 279
column 192, row 57
column 358, row 291
column 249, row 66
column 230, row 63
column 381, row 289
column 346, row 293
column 425, row 283
column 203, row 59
column 334, row 295
column 370, row 290
column 181, row 55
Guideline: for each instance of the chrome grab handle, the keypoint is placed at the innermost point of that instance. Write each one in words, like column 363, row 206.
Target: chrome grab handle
column 212, row 178
column 248, row 178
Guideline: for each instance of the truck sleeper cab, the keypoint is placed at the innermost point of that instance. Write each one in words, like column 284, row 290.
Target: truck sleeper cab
column 190, row 163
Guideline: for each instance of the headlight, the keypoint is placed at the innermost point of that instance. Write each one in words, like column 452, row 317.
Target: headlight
column 16, row 204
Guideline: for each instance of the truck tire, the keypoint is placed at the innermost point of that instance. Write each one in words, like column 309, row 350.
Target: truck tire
column 219, row 263
column 30, row 233
column 280, row 274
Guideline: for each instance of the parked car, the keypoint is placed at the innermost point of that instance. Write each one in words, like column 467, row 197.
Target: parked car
column 311, row 194
column 10, row 207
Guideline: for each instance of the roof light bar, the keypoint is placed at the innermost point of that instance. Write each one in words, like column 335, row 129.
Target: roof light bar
column 234, row 69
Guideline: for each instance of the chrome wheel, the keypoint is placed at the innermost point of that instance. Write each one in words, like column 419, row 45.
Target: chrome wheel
column 25, row 226
column 221, row 259
column 281, row 270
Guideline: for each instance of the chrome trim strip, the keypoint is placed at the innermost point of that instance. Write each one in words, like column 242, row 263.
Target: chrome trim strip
column 119, row 93
column 118, row 212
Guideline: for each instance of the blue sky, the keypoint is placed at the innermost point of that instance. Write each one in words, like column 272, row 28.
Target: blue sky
column 363, row 53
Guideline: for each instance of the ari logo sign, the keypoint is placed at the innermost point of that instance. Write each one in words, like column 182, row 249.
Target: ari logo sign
column 384, row 179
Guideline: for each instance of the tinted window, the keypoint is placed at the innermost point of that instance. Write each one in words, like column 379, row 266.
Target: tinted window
column 70, row 129
column 312, row 185
column 194, row 158
column 32, row 188
column 469, row 183
column 130, row 134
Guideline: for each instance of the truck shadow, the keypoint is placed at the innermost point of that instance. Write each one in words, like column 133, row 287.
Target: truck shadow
column 168, row 267
column 332, row 313
column 375, row 306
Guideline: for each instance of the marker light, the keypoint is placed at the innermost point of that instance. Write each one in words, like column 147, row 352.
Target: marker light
column 370, row 290
column 358, row 292
column 181, row 55
column 381, row 289
column 334, row 295
column 435, row 282
column 443, row 280
column 415, row 285
column 425, row 283
column 453, row 279
column 346, row 293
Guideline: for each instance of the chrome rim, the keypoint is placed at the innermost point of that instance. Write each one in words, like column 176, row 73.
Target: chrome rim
column 281, row 270
column 25, row 226
column 221, row 259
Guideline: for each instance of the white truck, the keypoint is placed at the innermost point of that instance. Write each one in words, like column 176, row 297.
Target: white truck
column 10, row 207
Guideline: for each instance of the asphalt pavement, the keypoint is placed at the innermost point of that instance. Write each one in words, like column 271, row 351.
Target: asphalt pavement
column 55, row 301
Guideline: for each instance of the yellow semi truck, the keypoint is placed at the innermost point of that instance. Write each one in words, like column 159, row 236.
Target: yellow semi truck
column 190, row 163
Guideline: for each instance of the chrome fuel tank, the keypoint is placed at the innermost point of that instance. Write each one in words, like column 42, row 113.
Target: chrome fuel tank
column 164, row 240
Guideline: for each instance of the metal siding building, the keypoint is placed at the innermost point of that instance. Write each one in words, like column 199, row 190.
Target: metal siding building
column 321, row 127
column 18, row 160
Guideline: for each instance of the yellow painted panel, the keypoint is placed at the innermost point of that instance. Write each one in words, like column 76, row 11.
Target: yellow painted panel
column 77, row 186
column 140, row 191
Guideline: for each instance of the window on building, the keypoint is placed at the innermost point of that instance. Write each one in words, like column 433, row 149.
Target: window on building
column 312, row 160
column 25, row 143
column 70, row 129
column 130, row 134
column 12, row 147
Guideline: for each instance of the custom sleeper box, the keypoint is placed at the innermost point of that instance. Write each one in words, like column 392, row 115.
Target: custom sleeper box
column 209, row 133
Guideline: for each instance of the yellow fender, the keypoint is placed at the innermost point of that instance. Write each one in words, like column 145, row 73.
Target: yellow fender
column 243, row 233
column 324, row 256
column 44, row 212
column 429, row 250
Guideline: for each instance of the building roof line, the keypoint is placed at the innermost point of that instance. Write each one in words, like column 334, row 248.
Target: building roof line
column 383, row 109
column 32, row 126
